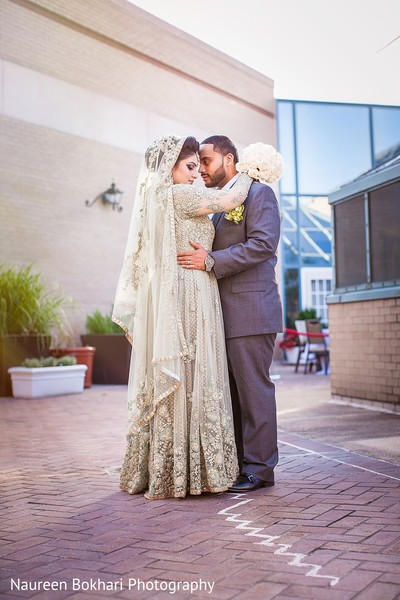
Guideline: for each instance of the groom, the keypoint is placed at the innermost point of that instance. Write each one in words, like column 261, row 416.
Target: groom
column 243, row 260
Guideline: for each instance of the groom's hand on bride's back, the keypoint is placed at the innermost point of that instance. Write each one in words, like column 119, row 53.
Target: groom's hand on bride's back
column 193, row 260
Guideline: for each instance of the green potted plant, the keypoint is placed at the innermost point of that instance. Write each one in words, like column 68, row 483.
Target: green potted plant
column 28, row 313
column 306, row 314
column 113, row 351
column 41, row 377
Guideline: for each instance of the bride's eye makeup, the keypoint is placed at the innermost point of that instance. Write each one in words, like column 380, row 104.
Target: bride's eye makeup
column 191, row 166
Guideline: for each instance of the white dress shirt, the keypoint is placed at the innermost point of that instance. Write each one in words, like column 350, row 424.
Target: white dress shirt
column 230, row 183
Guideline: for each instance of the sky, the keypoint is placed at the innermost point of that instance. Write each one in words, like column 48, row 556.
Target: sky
column 341, row 51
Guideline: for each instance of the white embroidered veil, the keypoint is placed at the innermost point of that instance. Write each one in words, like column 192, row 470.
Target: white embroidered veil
column 146, row 304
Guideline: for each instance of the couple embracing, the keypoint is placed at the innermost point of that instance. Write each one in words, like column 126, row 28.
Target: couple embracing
column 198, row 300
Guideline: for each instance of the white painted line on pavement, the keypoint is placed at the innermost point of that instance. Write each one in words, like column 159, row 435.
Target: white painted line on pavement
column 342, row 462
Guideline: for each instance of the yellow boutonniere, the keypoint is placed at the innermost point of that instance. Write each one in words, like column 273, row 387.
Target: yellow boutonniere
column 235, row 215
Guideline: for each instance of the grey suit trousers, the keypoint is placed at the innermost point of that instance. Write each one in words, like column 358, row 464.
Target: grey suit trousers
column 253, row 403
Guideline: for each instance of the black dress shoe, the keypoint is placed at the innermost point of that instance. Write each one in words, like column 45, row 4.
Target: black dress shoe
column 248, row 483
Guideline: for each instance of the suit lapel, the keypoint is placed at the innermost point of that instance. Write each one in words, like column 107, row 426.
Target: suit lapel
column 216, row 218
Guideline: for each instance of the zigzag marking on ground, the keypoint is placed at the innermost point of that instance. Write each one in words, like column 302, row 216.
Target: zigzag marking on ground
column 269, row 540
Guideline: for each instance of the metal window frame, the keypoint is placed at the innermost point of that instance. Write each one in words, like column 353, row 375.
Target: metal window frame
column 369, row 290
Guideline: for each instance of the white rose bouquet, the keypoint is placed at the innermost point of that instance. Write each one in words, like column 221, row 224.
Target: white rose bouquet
column 262, row 163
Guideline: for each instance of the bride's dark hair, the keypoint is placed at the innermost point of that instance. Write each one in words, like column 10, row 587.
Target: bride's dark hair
column 190, row 146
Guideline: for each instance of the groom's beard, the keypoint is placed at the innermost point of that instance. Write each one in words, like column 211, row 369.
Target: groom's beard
column 215, row 178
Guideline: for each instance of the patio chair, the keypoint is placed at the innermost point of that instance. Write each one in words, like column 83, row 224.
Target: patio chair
column 303, row 339
column 316, row 346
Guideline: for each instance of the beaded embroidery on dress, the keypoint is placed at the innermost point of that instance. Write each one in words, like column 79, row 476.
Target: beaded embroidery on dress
column 180, row 435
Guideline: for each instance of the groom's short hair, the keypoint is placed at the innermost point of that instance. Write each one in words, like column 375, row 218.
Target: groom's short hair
column 223, row 145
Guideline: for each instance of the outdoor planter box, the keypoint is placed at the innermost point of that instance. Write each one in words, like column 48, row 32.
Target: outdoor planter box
column 14, row 349
column 84, row 356
column 47, row 381
column 112, row 359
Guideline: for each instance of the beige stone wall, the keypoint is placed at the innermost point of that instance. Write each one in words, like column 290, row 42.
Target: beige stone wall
column 84, row 87
column 102, row 46
column 46, row 178
column 365, row 350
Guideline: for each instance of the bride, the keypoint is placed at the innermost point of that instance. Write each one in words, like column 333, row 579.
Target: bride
column 180, row 436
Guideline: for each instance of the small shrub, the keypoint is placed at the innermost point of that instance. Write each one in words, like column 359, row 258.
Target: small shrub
column 306, row 314
column 66, row 361
column 26, row 305
column 32, row 363
column 101, row 323
column 49, row 361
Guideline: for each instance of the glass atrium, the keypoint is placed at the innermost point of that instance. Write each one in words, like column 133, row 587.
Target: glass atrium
column 325, row 145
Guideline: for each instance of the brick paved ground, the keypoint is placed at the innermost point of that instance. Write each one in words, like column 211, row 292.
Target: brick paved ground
column 329, row 529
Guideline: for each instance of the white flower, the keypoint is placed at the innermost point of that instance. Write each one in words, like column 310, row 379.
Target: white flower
column 261, row 162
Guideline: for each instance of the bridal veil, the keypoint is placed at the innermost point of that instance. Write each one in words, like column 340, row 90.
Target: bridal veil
column 146, row 304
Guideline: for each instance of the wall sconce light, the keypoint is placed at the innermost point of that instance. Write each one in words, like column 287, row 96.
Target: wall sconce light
column 111, row 196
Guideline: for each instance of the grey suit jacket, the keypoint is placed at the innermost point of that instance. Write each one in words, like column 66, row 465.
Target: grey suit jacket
column 245, row 259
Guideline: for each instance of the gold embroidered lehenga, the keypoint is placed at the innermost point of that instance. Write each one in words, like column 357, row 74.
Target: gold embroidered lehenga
column 180, row 436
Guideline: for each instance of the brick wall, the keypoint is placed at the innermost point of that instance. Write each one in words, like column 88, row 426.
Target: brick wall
column 46, row 178
column 54, row 47
column 365, row 350
column 47, row 171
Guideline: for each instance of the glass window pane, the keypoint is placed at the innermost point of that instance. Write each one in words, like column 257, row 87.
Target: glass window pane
column 289, row 231
column 286, row 146
column 315, row 232
column 386, row 129
column 333, row 145
column 350, row 242
column 291, row 291
column 385, row 232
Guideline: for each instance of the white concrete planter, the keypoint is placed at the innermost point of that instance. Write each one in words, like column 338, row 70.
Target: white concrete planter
column 292, row 354
column 47, row 381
